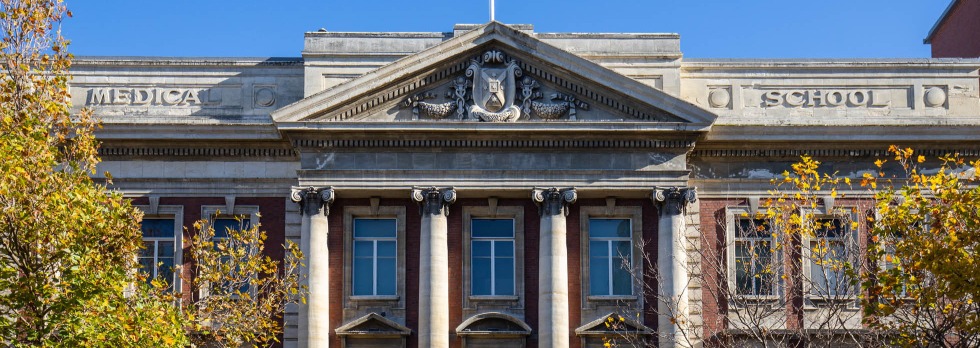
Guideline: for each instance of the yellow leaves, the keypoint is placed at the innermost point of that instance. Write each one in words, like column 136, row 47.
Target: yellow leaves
column 879, row 162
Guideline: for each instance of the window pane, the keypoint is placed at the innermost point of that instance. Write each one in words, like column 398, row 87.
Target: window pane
column 752, row 228
column 481, row 276
column 364, row 249
column 599, row 249
column 609, row 228
column 598, row 275
column 149, row 249
column 481, row 249
column 504, row 276
column 380, row 228
column 386, row 276
column 386, row 249
column 157, row 227
column 165, row 249
column 165, row 270
column 363, row 274
column 146, row 266
column 830, row 228
column 503, row 248
column 222, row 225
column 493, row 228
column 622, row 279
column 622, row 248
column 743, row 268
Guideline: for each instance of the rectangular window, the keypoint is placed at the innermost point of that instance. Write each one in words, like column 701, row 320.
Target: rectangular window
column 158, row 257
column 222, row 226
column 492, row 257
column 829, row 258
column 755, row 274
column 610, row 255
column 375, row 257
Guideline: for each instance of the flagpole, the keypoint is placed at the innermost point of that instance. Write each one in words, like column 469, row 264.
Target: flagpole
column 491, row 11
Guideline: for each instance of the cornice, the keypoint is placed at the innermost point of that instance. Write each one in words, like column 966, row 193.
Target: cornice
column 496, row 144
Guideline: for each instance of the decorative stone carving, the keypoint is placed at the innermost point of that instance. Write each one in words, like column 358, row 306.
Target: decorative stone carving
column 719, row 98
column 935, row 96
column 264, row 97
column 672, row 200
column 554, row 201
column 434, row 201
column 312, row 200
column 488, row 92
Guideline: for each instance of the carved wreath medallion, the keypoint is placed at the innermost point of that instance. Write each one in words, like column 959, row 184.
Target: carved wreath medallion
column 494, row 89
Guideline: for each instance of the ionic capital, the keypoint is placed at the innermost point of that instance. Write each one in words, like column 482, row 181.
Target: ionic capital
column 312, row 200
column 553, row 201
column 673, row 200
column 433, row 200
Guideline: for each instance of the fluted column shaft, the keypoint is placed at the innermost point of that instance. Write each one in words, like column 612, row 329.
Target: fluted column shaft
column 434, row 265
column 553, row 327
column 672, row 307
column 314, row 316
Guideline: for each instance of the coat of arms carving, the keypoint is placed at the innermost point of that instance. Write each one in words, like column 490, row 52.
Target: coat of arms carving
column 494, row 89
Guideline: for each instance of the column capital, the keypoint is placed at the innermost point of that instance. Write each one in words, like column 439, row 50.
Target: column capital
column 434, row 200
column 553, row 201
column 673, row 200
column 313, row 200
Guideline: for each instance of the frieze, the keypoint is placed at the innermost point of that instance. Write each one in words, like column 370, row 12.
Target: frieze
column 493, row 88
column 811, row 98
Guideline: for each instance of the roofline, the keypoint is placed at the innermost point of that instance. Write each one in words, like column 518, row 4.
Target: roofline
column 942, row 18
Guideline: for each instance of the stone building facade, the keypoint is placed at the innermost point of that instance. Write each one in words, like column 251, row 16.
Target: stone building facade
column 483, row 187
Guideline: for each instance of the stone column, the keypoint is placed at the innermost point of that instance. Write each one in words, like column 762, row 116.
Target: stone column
column 553, row 266
column 314, row 316
column 434, row 265
column 672, row 301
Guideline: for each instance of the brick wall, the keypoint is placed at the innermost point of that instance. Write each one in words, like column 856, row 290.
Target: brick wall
column 958, row 36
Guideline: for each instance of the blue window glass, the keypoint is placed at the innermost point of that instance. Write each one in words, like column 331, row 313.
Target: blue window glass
column 375, row 265
column 157, row 259
column 610, row 257
column 492, row 264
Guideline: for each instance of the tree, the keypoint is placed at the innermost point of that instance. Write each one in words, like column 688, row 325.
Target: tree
column 67, row 244
column 925, row 237
column 242, row 291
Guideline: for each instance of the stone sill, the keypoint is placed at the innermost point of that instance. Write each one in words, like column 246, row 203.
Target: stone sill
column 375, row 298
column 613, row 298
column 493, row 298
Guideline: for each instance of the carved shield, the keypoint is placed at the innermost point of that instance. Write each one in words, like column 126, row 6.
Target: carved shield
column 493, row 88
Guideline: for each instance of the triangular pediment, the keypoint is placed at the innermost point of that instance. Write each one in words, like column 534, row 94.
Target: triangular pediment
column 373, row 324
column 613, row 323
column 494, row 74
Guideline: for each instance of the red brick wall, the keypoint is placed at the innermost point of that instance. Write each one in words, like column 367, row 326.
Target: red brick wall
column 958, row 36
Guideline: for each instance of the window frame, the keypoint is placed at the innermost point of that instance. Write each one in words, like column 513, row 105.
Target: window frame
column 175, row 212
column 211, row 212
column 375, row 258
column 381, row 212
column 515, row 213
column 635, row 215
column 732, row 216
column 850, row 235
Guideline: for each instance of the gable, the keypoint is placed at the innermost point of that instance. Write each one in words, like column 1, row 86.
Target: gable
column 373, row 325
column 494, row 74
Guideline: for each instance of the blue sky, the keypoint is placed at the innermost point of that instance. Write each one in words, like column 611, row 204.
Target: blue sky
column 708, row 28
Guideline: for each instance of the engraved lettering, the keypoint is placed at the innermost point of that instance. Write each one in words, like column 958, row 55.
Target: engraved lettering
column 98, row 96
column 142, row 96
column 812, row 98
column 773, row 98
column 121, row 96
column 795, row 98
column 857, row 98
column 172, row 96
column 152, row 97
column 835, row 98
column 190, row 97
column 816, row 99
